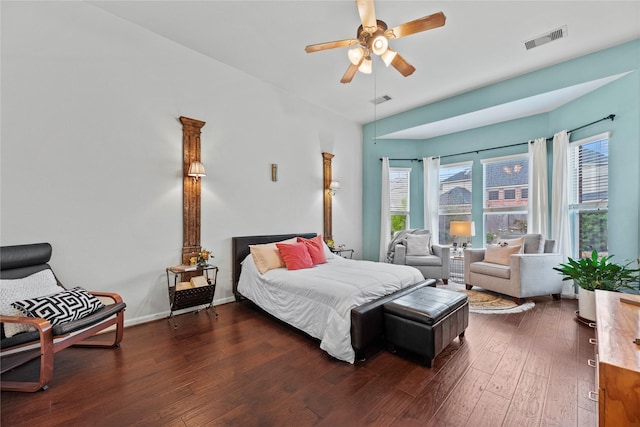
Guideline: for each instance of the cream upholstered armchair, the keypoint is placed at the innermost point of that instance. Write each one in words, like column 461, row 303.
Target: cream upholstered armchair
column 518, row 266
column 414, row 248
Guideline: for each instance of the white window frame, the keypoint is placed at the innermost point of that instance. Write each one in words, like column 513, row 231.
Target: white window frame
column 575, row 207
column 441, row 211
column 514, row 210
column 407, row 211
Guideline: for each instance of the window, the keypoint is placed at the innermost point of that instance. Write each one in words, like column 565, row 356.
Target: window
column 399, row 195
column 589, row 192
column 455, row 197
column 504, row 179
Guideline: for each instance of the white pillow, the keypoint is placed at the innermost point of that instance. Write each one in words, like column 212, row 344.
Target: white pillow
column 38, row 284
column 418, row 244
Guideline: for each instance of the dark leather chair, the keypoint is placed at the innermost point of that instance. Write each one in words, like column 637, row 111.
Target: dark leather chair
column 21, row 261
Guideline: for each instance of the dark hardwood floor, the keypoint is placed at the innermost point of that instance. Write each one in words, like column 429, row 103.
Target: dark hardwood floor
column 246, row 369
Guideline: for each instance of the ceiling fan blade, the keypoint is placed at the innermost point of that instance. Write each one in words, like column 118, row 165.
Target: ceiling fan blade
column 421, row 24
column 367, row 15
column 348, row 75
column 330, row 45
column 400, row 64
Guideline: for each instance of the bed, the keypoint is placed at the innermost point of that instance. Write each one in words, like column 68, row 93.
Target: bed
column 339, row 303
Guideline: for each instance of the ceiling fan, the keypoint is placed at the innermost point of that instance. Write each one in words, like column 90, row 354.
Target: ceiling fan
column 373, row 37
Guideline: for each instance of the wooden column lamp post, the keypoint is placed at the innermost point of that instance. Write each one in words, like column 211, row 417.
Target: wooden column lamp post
column 326, row 178
column 190, row 189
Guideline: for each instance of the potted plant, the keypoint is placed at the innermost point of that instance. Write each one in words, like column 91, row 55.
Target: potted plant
column 593, row 273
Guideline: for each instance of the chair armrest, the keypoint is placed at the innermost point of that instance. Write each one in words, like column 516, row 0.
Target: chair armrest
column 536, row 273
column 400, row 255
column 471, row 256
column 443, row 252
column 37, row 322
column 116, row 298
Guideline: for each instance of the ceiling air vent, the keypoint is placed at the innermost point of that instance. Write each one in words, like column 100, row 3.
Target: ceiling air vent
column 552, row 35
column 381, row 99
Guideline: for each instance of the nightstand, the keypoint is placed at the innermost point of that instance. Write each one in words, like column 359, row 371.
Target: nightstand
column 186, row 296
column 343, row 252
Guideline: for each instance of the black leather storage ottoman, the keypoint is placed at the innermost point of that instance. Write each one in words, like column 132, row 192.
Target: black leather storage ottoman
column 426, row 320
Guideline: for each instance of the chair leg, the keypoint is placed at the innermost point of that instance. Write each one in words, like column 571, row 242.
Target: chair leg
column 46, row 352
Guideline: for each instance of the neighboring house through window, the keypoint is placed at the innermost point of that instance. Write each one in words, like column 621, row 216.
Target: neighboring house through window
column 506, row 187
column 455, row 197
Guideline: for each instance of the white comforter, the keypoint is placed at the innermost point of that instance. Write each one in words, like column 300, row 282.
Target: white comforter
column 319, row 300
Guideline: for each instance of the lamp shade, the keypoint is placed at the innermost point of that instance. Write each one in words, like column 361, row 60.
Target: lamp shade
column 366, row 66
column 462, row 228
column 380, row 45
column 196, row 169
column 355, row 55
column 388, row 56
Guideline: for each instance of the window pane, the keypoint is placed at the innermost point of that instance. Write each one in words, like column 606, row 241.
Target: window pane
column 399, row 189
column 506, row 188
column 399, row 198
column 502, row 178
column 590, row 194
column 398, row 222
column 593, row 232
column 444, row 225
column 455, row 198
column 497, row 224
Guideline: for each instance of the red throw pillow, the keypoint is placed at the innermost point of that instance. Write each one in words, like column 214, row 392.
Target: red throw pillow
column 315, row 249
column 295, row 256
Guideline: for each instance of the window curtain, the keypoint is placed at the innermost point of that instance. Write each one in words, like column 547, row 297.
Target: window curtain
column 560, row 226
column 538, row 206
column 385, row 206
column 431, row 176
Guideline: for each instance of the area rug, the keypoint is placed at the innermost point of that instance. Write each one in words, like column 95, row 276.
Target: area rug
column 488, row 302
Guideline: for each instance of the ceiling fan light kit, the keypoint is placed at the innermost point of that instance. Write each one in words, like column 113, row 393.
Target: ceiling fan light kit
column 373, row 36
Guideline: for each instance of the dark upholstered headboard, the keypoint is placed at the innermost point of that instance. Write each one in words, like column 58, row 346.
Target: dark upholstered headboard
column 240, row 250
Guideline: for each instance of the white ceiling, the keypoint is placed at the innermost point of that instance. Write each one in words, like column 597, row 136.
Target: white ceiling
column 481, row 44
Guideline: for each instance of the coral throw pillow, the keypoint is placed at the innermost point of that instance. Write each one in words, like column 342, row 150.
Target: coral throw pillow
column 315, row 249
column 295, row 256
column 500, row 254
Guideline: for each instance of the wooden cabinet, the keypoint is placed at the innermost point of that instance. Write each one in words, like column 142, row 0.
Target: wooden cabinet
column 618, row 357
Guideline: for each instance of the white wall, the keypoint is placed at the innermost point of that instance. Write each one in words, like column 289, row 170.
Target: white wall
column 91, row 152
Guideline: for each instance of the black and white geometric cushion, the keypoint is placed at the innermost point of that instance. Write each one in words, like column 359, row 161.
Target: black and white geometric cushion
column 62, row 307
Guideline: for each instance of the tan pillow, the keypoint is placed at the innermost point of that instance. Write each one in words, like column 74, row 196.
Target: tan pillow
column 500, row 254
column 418, row 244
column 267, row 257
column 513, row 242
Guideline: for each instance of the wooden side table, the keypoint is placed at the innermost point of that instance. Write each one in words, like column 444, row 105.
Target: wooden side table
column 191, row 297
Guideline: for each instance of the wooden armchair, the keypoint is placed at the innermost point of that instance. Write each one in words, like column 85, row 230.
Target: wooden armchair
column 19, row 262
